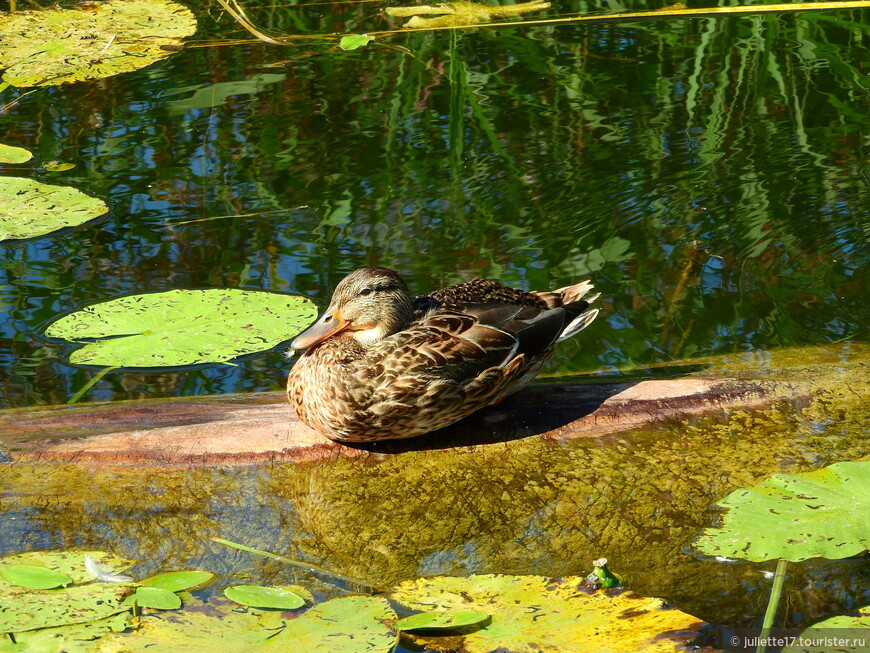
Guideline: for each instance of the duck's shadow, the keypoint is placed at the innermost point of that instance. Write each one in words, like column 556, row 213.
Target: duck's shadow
column 533, row 411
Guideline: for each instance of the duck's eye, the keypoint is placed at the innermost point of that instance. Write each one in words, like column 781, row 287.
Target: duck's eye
column 365, row 291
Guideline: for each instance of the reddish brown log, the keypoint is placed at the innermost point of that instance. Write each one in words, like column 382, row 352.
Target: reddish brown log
column 239, row 429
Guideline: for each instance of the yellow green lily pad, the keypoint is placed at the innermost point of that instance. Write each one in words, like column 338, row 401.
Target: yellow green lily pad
column 533, row 613
column 73, row 638
column 459, row 14
column 12, row 154
column 182, row 327
column 30, row 208
column 47, row 47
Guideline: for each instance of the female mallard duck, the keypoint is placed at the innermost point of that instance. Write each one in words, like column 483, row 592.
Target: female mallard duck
column 381, row 365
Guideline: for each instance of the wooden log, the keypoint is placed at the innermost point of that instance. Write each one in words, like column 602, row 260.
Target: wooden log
column 239, row 429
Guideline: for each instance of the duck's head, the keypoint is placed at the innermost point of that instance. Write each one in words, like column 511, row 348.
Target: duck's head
column 369, row 304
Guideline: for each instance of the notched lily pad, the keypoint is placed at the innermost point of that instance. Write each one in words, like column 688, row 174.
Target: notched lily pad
column 820, row 514
column 12, row 154
column 459, row 14
column 46, row 47
column 534, row 613
column 182, row 327
column 256, row 596
column 30, row 208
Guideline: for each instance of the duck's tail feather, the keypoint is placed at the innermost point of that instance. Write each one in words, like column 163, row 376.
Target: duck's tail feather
column 578, row 324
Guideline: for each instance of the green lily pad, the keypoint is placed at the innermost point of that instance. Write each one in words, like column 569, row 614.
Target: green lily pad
column 852, row 630
column 442, row 620
column 177, row 581
column 24, row 609
column 46, row 47
column 354, row 41
column 12, row 154
column 57, row 166
column 820, row 514
column 212, row 626
column 74, row 638
column 30, row 208
column 35, row 578
column 154, row 597
column 533, row 613
column 70, row 563
column 350, row 624
column 264, row 597
column 183, row 327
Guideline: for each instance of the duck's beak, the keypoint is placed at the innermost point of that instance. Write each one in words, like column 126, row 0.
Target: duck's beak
column 327, row 326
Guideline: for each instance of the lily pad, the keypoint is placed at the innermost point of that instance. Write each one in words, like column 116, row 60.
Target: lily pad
column 820, row 514
column 154, row 597
column 30, row 208
column 460, row 14
column 73, row 638
column 350, row 624
column 57, row 166
column 183, row 327
column 442, row 620
column 25, row 609
column 534, row 613
column 70, row 563
column 264, row 597
column 211, row 626
column 354, row 41
column 177, row 581
column 852, row 630
column 12, row 154
column 46, row 47
column 35, row 578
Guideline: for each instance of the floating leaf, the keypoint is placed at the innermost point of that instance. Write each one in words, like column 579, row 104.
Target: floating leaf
column 35, row 578
column 47, row 47
column 177, row 581
column 820, row 514
column 264, row 597
column 73, row 638
column 12, row 154
column 852, row 631
column 183, row 327
column 70, row 563
column 533, row 613
column 442, row 620
column 30, row 208
column 154, row 597
column 212, row 626
column 458, row 14
column 58, row 166
column 25, row 609
column 354, row 41
column 351, row 624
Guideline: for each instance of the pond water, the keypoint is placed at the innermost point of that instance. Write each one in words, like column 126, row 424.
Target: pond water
column 710, row 175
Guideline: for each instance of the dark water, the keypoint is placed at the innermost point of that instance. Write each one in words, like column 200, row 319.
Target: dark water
column 709, row 174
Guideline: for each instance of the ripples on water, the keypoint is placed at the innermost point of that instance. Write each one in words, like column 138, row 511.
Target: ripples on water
column 708, row 174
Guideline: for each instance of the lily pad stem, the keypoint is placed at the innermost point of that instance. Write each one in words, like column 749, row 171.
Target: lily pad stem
column 87, row 386
column 772, row 604
column 295, row 563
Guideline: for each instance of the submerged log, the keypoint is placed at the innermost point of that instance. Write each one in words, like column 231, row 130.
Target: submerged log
column 239, row 429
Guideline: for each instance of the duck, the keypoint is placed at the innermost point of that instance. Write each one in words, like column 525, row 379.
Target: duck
column 379, row 364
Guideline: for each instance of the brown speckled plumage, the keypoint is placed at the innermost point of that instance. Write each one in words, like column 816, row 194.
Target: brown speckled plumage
column 379, row 365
